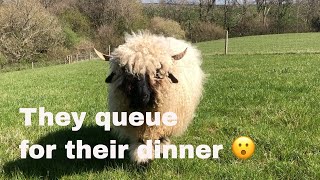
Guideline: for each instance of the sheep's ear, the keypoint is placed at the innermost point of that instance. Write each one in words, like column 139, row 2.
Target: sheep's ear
column 180, row 55
column 173, row 79
column 102, row 56
column 109, row 78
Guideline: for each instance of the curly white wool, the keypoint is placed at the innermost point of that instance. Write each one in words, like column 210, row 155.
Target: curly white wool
column 144, row 53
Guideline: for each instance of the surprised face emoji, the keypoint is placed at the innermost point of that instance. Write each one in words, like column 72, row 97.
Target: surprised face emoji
column 243, row 147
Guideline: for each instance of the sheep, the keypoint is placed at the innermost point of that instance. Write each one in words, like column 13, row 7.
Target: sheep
column 153, row 73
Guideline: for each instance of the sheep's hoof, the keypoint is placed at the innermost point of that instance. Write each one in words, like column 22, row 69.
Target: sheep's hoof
column 145, row 164
column 141, row 161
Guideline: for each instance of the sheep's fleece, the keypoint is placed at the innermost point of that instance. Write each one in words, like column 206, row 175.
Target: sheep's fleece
column 145, row 53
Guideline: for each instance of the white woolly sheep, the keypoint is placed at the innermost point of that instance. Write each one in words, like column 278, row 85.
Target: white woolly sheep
column 151, row 73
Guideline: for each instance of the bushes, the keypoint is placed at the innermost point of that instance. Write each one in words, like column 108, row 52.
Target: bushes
column 248, row 25
column 71, row 38
column 126, row 14
column 3, row 61
column 76, row 21
column 204, row 31
column 27, row 30
column 57, row 54
column 315, row 23
column 167, row 27
column 107, row 35
column 111, row 19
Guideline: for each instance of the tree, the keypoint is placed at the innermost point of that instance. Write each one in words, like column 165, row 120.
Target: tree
column 125, row 14
column 316, row 24
column 114, row 17
column 263, row 7
column 312, row 9
column 27, row 30
column 166, row 27
column 47, row 3
column 206, row 8
column 57, row 7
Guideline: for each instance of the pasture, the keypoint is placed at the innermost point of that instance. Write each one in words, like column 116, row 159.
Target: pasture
column 268, row 88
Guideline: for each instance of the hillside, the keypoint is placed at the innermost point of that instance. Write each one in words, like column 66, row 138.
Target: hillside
column 266, row 44
column 261, row 90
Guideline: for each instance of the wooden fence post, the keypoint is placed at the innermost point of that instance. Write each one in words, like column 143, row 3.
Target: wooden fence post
column 32, row 65
column 226, row 43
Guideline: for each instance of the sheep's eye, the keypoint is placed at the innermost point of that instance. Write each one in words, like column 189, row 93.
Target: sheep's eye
column 158, row 74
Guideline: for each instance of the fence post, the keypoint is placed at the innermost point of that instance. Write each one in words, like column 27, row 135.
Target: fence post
column 89, row 55
column 226, row 43
column 109, row 50
column 32, row 65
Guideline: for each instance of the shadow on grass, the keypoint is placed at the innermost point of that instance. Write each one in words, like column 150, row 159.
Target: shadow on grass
column 60, row 165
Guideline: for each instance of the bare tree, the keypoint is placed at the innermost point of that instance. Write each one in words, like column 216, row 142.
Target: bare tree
column 166, row 27
column 103, row 12
column 206, row 9
column 27, row 29
column 47, row 3
column 263, row 7
column 313, row 9
column 175, row 10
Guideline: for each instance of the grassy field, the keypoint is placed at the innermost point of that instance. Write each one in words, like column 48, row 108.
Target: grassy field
column 270, row 94
column 266, row 44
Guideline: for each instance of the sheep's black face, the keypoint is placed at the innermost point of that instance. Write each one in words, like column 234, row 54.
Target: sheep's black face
column 138, row 91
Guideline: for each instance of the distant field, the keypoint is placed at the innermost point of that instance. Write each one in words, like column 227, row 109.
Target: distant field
column 266, row 44
column 272, row 98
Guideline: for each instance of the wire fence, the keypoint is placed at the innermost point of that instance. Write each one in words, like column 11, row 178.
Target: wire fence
column 72, row 58
column 79, row 57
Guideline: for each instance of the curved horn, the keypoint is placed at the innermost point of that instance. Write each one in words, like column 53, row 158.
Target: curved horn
column 102, row 56
column 180, row 55
column 173, row 79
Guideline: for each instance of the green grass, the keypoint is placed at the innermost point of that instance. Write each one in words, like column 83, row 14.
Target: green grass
column 271, row 97
column 266, row 44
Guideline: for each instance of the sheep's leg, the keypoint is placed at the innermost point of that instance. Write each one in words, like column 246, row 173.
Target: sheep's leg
column 134, row 155
column 165, row 140
column 143, row 161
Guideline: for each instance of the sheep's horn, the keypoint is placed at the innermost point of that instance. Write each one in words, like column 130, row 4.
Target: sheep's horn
column 102, row 56
column 180, row 55
column 173, row 79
